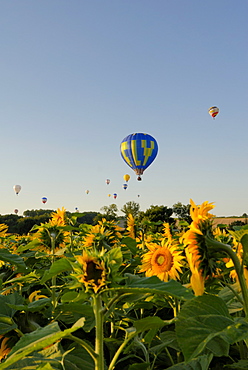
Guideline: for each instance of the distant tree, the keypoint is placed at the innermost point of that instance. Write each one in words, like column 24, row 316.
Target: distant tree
column 108, row 212
column 87, row 218
column 37, row 212
column 182, row 211
column 131, row 207
column 156, row 215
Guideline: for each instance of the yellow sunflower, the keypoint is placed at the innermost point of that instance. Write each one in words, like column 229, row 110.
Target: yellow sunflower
column 105, row 232
column 130, row 226
column 194, row 238
column 94, row 272
column 58, row 218
column 4, row 350
column 196, row 279
column 163, row 261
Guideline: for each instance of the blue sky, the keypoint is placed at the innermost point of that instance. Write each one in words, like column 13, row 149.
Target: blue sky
column 79, row 76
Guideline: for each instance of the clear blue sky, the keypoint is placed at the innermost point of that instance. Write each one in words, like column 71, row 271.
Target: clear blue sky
column 78, row 76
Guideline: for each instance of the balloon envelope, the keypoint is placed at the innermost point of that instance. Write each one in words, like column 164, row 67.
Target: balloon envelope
column 16, row 211
column 124, row 186
column 126, row 178
column 115, row 195
column 87, row 191
column 107, row 181
column 17, row 188
column 213, row 111
column 44, row 200
column 139, row 150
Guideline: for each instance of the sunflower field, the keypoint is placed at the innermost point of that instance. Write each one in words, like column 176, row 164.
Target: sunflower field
column 104, row 297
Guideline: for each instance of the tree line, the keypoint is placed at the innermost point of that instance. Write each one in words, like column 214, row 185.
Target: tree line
column 155, row 215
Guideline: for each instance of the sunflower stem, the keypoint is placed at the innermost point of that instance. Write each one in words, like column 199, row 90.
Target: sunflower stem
column 53, row 288
column 98, row 312
column 215, row 245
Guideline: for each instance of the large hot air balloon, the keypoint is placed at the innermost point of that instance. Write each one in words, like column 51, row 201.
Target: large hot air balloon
column 139, row 151
column 115, row 195
column 87, row 191
column 124, row 186
column 17, row 189
column 16, row 211
column 107, row 181
column 126, row 178
column 44, row 200
column 213, row 111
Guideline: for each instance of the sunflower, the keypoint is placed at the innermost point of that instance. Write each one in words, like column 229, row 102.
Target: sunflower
column 163, row 261
column 94, row 272
column 58, row 218
column 4, row 350
column 130, row 226
column 196, row 279
column 194, row 238
column 103, row 234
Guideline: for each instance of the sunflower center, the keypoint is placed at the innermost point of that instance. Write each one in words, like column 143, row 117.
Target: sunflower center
column 162, row 260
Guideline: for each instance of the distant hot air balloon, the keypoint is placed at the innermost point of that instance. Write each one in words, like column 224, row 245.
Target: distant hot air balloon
column 87, row 191
column 124, row 186
column 44, row 200
column 126, row 178
column 16, row 211
column 109, row 195
column 115, row 195
column 213, row 111
column 76, row 209
column 107, row 181
column 139, row 151
column 17, row 189
column 138, row 195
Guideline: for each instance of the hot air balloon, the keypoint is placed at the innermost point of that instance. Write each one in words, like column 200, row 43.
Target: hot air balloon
column 124, row 186
column 76, row 209
column 87, row 191
column 213, row 111
column 126, row 178
column 109, row 195
column 115, row 195
column 16, row 211
column 107, row 181
column 139, row 151
column 44, row 200
column 17, row 189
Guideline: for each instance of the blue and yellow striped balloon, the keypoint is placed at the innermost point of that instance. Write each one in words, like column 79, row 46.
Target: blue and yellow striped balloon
column 139, row 151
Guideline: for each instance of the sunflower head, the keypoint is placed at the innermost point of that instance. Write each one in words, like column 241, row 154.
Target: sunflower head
column 163, row 261
column 194, row 238
column 93, row 271
column 130, row 226
column 59, row 217
column 105, row 234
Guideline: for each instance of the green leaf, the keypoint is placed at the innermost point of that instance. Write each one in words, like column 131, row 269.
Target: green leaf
column 240, row 365
column 199, row 363
column 153, row 285
column 11, row 299
column 130, row 243
column 33, row 244
column 6, row 324
column 73, row 311
column 13, row 259
column 244, row 242
column 141, row 366
column 206, row 321
column 35, row 341
column 57, row 267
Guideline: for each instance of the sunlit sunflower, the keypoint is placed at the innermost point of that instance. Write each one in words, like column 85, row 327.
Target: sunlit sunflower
column 130, row 226
column 196, row 279
column 163, row 261
column 194, row 238
column 103, row 234
column 3, row 230
column 93, row 272
column 58, row 218
column 167, row 231
column 233, row 274
column 4, row 350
